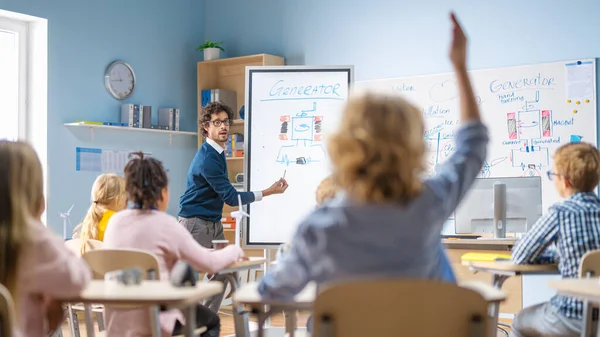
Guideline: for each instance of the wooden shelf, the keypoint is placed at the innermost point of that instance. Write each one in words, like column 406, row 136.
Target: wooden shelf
column 234, row 158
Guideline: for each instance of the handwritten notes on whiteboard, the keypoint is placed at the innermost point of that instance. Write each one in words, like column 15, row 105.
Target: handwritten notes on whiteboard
column 530, row 111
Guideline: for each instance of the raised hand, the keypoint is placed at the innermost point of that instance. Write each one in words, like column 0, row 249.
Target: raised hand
column 458, row 48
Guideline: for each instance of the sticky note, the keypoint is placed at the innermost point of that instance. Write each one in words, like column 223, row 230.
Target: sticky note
column 575, row 139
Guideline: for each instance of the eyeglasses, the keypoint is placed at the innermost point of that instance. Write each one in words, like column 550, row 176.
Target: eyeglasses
column 550, row 174
column 218, row 122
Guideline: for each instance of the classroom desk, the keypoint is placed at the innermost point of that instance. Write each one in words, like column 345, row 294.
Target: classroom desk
column 456, row 248
column 240, row 317
column 587, row 289
column 503, row 270
column 149, row 294
column 248, row 295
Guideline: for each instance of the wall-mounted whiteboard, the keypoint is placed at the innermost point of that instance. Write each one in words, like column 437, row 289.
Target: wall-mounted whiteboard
column 289, row 111
column 530, row 111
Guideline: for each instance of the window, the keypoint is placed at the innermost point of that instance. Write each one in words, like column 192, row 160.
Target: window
column 13, row 77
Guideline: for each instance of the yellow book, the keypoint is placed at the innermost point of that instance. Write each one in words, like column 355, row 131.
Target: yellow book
column 484, row 257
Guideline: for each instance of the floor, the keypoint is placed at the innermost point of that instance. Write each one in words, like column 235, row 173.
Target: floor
column 227, row 324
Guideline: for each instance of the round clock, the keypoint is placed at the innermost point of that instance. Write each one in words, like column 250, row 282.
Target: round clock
column 119, row 79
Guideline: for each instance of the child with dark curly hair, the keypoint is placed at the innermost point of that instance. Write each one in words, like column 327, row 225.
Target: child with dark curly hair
column 146, row 226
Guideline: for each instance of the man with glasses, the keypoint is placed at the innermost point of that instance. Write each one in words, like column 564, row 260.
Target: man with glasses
column 208, row 186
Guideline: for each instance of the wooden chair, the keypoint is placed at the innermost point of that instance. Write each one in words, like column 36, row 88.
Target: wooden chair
column 75, row 246
column 102, row 261
column 399, row 307
column 590, row 267
column 7, row 313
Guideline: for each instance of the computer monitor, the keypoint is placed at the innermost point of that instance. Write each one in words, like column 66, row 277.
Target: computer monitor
column 475, row 213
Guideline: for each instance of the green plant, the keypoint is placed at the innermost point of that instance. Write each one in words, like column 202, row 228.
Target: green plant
column 210, row 44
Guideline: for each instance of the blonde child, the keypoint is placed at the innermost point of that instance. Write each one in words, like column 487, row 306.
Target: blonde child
column 565, row 233
column 388, row 220
column 108, row 197
column 146, row 226
column 35, row 264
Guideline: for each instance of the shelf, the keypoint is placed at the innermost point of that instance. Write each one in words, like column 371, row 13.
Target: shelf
column 237, row 122
column 234, row 158
column 92, row 127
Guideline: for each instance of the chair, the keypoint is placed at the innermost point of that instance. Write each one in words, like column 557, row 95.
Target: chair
column 102, row 261
column 589, row 267
column 399, row 307
column 75, row 246
column 7, row 313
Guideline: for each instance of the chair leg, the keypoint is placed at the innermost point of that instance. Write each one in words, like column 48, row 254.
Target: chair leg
column 100, row 320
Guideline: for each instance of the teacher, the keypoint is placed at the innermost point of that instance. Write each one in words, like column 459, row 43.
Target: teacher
column 208, row 186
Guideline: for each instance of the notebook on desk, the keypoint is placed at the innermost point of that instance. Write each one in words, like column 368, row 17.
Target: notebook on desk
column 485, row 257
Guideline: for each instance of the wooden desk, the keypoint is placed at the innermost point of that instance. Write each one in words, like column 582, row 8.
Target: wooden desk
column 456, row 248
column 148, row 293
column 248, row 295
column 505, row 270
column 587, row 289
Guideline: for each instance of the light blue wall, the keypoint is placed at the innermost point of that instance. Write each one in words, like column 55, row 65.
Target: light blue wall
column 158, row 38
column 390, row 38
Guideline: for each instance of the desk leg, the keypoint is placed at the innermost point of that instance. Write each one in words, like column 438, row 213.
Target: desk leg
column 290, row 322
column 190, row 321
column 89, row 320
column 155, row 321
column 240, row 317
column 494, row 312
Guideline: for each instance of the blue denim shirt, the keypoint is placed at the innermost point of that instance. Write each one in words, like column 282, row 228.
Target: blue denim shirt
column 345, row 239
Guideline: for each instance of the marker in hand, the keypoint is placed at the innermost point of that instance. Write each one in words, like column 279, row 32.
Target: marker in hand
column 284, row 172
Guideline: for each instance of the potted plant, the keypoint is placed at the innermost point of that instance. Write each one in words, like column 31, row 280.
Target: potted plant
column 212, row 50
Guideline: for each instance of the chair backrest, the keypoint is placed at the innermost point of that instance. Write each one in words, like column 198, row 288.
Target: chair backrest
column 590, row 264
column 102, row 261
column 75, row 245
column 7, row 313
column 399, row 307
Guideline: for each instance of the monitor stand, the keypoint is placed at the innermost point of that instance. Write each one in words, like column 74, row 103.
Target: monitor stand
column 499, row 211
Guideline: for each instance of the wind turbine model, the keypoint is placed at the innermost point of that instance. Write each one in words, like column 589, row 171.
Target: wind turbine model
column 66, row 220
column 239, row 215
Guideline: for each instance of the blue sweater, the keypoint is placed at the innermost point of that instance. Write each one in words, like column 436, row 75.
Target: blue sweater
column 208, row 187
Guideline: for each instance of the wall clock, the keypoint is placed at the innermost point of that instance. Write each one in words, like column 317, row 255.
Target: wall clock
column 119, row 80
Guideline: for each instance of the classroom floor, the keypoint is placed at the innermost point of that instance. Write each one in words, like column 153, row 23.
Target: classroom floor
column 227, row 324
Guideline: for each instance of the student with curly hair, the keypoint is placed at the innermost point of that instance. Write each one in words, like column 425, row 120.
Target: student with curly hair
column 147, row 227
column 388, row 219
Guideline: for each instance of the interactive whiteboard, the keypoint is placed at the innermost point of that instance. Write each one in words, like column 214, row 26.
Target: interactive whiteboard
column 530, row 111
column 289, row 112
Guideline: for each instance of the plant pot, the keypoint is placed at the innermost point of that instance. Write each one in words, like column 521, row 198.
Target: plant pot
column 212, row 54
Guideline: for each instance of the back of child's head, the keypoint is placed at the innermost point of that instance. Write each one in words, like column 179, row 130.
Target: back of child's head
column 326, row 190
column 108, row 193
column 378, row 150
column 21, row 200
column 145, row 180
column 579, row 164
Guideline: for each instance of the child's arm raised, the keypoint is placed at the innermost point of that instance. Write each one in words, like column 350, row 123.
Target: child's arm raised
column 456, row 175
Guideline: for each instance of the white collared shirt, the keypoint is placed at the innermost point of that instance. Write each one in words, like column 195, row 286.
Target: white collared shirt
column 257, row 194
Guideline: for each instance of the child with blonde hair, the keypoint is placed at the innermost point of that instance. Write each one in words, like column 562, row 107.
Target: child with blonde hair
column 569, row 230
column 108, row 197
column 387, row 220
column 35, row 264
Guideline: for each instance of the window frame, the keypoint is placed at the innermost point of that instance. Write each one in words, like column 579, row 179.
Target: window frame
column 20, row 28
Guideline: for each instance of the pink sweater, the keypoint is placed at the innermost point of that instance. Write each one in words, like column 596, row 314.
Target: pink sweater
column 47, row 269
column 162, row 235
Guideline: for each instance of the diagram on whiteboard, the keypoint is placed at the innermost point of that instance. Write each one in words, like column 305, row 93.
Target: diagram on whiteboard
column 301, row 138
column 530, row 126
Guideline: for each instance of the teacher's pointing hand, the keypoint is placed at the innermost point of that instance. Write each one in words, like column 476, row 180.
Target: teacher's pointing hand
column 277, row 188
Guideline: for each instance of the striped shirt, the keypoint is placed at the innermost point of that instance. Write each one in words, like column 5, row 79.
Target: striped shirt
column 568, row 231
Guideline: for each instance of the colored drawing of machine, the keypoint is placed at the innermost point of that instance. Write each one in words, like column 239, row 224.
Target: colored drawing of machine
column 301, row 134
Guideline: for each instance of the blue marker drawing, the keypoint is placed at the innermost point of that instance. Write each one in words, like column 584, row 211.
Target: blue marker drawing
column 304, row 144
column 486, row 169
